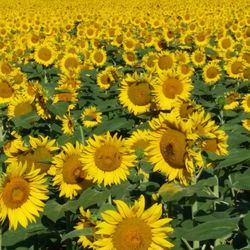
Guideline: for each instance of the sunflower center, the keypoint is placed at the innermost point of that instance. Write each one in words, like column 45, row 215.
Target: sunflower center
column 212, row 72
column 71, row 62
column 15, row 192
column 210, row 145
column 186, row 110
column 5, row 68
column 5, row 90
column 98, row 56
column 226, row 43
column 173, row 147
column 108, row 158
column 132, row 234
column 44, row 54
column 232, row 97
column 165, row 62
column 140, row 93
column 105, row 79
column 246, row 73
column 22, row 109
column 199, row 57
column 140, row 144
column 172, row 87
column 72, row 170
column 236, row 67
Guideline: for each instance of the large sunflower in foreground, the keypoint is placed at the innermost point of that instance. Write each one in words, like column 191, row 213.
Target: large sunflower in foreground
column 68, row 171
column 136, row 93
column 133, row 228
column 170, row 87
column 106, row 159
column 22, row 195
column 172, row 148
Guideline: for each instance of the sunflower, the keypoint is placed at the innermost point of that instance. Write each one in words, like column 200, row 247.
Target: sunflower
column 22, row 195
column 165, row 61
column 21, row 105
column 211, row 73
column 212, row 139
column 45, row 54
column 149, row 61
column 68, row 172
column 170, row 87
column 133, row 228
column 246, row 124
column 136, row 93
column 86, row 221
column 5, row 68
column 129, row 44
column 66, row 94
column 171, row 148
column 7, row 89
column 130, row 58
column 70, row 62
column 235, row 67
column 246, row 103
column 226, row 43
column 106, row 78
column 232, row 100
column 106, row 159
column 185, row 70
column 68, row 124
column 91, row 117
column 198, row 57
column 98, row 57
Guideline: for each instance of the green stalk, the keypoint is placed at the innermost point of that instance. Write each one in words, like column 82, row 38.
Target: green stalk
column 0, row 237
column 187, row 244
column 82, row 134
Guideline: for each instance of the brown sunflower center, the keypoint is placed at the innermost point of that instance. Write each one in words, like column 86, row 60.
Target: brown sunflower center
column 236, row 67
column 246, row 74
column 226, row 43
column 22, row 109
column 132, row 234
column 165, row 62
column 105, row 79
column 16, row 192
column 173, row 147
column 44, row 54
column 210, row 145
column 108, row 158
column 199, row 57
column 5, row 68
column 5, row 90
column 186, row 110
column 212, row 72
column 232, row 97
column 139, row 93
column 72, row 170
column 71, row 62
column 98, row 56
column 172, row 87
column 140, row 144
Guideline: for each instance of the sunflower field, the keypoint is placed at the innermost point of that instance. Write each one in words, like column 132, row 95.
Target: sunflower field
column 124, row 125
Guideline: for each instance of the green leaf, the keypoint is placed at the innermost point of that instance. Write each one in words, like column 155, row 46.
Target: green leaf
column 224, row 247
column 58, row 108
column 26, row 121
column 77, row 233
column 241, row 181
column 212, row 230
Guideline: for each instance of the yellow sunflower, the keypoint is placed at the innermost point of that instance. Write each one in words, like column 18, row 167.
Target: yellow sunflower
column 133, row 228
column 171, row 148
column 7, row 89
column 106, row 78
column 45, row 54
column 235, row 67
column 130, row 58
column 211, row 73
column 91, row 117
column 246, row 103
column 136, row 93
column 68, row 124
column 22, row 195
column 106, row 159
column 165, row 61
column 86, row 221
column 170, row 87
column 246, row 124
column 98, row 57
column 198, row 57
column 232, row 100
column 68, row 172
column 70, row 62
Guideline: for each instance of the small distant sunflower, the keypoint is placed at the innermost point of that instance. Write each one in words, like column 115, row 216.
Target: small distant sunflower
column 7, row 90
column 171, row 148
column 5, row 68
column 246, row 124
column 149, row 61
column 232, row 100
column 68, row 124
column 129, row 44
column 98, row 57
column 226, row 43
column 70, row 62
column 106, row 78
column 133, row 228
column 198, row 57
column 22, row 195
column 211, row 73
column 86, row 221
column 91, row 117
column 182, row 57
column 246, row 103
column 68, row 172
column 130, row 58
column 45, row 54
column 170, row 87
column 185, row 70
column 106, row 159
column 66, row 94
column 20, row 106
column 136, row 93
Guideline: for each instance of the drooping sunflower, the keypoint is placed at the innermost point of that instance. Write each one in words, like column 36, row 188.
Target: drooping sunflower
column 68, row 124
column 133, row 228
column 171, row 148
column 98, row 57
column 106, row 159
column 136, row 93
column 22, row 195
column 170, row 87
column 68, row 172
column 86, row 221
column 211, row 73
column 45, row 54
column 232, row 100
column 106, row 78
column 91, row 117
column 246, row 103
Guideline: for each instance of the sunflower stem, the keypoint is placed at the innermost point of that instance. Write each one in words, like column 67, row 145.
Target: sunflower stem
column 82, row 134
column 187, row 244
column 0, row 237
column 216, row 191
